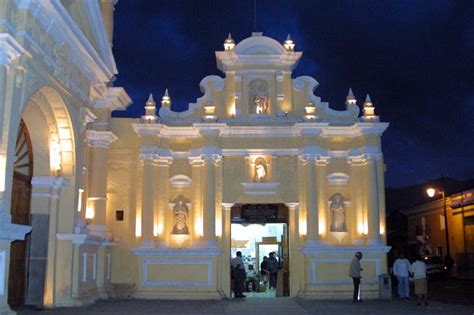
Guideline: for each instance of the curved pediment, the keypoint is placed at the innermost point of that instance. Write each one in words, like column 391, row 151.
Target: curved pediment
column 259, row 45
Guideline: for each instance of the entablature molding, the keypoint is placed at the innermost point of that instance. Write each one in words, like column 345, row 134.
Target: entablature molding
column 364, row 158
column 159, row 157
column 52, row 19
column 113, row 98
column 286, row 130
column 100, row 139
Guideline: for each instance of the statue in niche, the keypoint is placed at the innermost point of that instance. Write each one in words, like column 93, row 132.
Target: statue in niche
column 259, row 97
column 181, row 213
column 260, row 172
column 338, row 213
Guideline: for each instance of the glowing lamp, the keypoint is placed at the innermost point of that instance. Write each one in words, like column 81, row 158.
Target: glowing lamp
column 431, row 192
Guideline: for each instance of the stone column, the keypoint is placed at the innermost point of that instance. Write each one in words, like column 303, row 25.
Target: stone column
column 321, row 194
column 99, row 142
column 373, row 236
column 147, row 238
column 209, row 201
column 312, row 228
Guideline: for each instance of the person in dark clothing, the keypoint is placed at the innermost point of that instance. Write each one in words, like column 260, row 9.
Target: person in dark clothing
column 264, row 271
column 272, row 265
column 238, row 273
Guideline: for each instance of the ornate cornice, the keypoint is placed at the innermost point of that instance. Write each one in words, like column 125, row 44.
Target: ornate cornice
column 10, row 49
column 52, row 182
column 100, row 139
column 142, row 129
column 113, row 98
column 9, row 231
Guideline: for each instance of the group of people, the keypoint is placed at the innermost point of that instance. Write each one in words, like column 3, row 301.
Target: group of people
column 242, row 278
column 402, row 270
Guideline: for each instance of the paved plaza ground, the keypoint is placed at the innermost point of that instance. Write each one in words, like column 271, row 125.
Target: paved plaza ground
column 260, row 306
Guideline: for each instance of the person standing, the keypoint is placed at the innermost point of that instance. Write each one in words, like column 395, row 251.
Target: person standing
column 354, row 273
column 401, row 269
column 238, row 273
column 264, row 271
column 418, row 269
column 272, row 265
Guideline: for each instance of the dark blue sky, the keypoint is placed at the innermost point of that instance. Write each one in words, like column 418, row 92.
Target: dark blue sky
column 415, row 58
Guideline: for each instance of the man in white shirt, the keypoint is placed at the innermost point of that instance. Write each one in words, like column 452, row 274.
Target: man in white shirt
column 418, row 269
column 401, row 269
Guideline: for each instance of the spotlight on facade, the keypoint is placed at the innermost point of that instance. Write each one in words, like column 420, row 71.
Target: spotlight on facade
column 90, row 214
column 229, row 43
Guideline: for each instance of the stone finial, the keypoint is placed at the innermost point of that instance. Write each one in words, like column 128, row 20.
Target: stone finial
column 350, row 99
column 166, row 100
column 150, row 109
column 369, row 110
column 229, row 43
column 289, row 44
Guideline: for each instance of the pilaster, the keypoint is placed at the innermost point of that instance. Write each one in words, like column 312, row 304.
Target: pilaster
column 321, row 194
column 357, row 222
column 162, row 165
column 147, row 219
column 99, row 142
column 209, row 201
column 373, row 235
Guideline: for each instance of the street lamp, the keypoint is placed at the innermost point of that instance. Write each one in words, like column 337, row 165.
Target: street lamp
column 431, row 193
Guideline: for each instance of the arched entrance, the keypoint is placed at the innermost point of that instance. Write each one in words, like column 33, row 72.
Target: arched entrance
column 20, row 211
column 39, row 193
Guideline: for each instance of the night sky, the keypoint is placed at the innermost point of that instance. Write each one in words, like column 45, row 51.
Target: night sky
column 415, row 58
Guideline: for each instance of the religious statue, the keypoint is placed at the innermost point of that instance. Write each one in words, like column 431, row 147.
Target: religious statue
column 260, row 170
column 338, row 213
column 180, row 212
column 261, row 104
column 259, row 96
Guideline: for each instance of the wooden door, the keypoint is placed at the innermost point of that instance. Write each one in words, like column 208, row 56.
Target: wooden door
column 20, row 210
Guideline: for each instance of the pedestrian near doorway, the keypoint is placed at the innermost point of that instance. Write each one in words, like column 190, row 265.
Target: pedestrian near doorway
column 264, row 271
column 272, row 265
column 354, row 273
column 401, row 269
column 418, row 269
column 238, row 274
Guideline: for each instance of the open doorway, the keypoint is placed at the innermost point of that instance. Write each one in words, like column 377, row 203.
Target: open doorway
column 260, row 233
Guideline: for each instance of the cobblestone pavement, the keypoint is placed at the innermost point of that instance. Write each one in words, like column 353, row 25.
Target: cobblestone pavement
column 257, row 306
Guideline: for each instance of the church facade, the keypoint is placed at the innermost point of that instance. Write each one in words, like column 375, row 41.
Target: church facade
column 145, row 205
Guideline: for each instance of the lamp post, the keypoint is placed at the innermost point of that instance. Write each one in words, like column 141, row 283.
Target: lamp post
column 431, row 193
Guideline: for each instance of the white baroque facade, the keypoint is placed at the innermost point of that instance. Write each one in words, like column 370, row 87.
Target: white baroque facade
column 147, row 203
